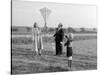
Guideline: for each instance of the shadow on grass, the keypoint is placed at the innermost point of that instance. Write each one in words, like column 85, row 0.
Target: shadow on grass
column 31, row 69
column 55, row 69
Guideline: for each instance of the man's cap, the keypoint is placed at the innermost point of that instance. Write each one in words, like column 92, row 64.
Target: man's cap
column 60, row 25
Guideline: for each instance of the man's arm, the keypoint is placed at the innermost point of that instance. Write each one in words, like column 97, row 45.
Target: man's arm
column 62, row 34
column 62, row 37
column 54, row 35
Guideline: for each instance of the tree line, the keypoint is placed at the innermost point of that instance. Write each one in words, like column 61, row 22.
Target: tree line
column 51, row 30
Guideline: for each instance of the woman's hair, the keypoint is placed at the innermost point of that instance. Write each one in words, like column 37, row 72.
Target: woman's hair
column 35, row 25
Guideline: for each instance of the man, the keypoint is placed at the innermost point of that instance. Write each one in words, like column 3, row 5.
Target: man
column 58, row 39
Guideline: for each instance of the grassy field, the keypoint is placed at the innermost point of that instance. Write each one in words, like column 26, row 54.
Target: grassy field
column 25, row 60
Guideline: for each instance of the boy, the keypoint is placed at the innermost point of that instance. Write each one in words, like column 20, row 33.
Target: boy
column 69, row 51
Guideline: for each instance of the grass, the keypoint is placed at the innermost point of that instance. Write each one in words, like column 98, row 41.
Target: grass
column 25, row 60
column 50, row 39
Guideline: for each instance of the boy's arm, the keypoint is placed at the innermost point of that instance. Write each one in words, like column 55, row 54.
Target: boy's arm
column 65, row 44
column 67, row 37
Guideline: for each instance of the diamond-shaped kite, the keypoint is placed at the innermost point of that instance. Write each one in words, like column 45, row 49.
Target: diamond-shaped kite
column 45, row 12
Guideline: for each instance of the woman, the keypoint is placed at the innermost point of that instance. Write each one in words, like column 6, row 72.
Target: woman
column 37, row 39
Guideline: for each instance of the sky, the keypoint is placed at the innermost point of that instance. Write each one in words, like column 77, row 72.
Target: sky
column 25, row 13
